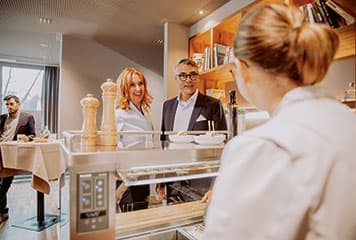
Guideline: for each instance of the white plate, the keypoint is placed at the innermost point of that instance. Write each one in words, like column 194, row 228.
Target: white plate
column 209, row 140
column 181, row 139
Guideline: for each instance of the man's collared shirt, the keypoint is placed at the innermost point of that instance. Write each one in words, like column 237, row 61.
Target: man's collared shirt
column 184, row 113
column 10, row 128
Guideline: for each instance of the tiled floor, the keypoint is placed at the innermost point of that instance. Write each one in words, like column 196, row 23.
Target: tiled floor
column 22, row 204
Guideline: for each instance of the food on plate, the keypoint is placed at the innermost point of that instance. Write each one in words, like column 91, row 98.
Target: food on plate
column 182, row 133
column 40, row 139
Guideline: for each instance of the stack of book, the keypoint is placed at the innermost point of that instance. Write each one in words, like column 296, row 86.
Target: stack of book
column 199, row 59
column 202, row 60
column 222, row 54
column 327, row 11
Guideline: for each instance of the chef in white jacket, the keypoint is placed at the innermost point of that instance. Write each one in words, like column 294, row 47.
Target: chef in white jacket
column 293, row 177
column 132, row 114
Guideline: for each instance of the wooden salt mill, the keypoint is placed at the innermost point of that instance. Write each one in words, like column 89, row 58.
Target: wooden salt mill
column 108, row 136
column 89, row 134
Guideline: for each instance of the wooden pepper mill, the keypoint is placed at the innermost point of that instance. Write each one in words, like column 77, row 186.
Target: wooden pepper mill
column 89, row 134
column 108, row 135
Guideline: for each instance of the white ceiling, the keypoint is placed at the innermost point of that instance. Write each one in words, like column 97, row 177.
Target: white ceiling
column 129, row 27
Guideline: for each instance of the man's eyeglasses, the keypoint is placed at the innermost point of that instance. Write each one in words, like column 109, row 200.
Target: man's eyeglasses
column 184, row 76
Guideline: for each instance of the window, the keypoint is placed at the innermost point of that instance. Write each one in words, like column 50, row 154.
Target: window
column 24, row 81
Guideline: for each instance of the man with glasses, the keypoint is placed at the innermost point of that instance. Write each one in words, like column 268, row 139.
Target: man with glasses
column 190, row 111
column 13, row 123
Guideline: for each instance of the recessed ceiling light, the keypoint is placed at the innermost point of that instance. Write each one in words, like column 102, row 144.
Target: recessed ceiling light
column 201, row 12
column 45, row 20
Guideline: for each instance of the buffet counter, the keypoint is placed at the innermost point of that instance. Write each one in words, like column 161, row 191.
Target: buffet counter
column 155, row 221
column 93, row 175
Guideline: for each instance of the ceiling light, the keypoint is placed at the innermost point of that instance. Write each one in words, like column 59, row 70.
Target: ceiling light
column 201, row 12
column 45, row 20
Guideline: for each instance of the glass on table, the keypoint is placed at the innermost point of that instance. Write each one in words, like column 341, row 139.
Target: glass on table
column 52, row 137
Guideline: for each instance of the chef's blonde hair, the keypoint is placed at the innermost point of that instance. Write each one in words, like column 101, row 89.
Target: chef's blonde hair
column 124, row 81
column 278, row 38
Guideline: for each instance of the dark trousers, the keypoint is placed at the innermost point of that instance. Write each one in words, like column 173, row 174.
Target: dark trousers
column 5, row 184
column 187, row 191
column 134, row 197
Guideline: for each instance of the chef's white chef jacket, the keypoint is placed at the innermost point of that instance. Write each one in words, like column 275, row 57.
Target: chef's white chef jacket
column 133, row 120
column 294, row 177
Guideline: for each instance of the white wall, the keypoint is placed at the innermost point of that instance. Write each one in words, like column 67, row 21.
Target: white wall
column 175, row 48
column 85, row 66
column 341, row 72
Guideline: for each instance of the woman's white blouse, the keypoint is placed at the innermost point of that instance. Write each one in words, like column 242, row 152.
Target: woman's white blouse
column 133, row 120
column 294, row 177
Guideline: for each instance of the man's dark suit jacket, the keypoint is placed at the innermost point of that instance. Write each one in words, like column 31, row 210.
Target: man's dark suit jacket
column 206, row 106
column 211, row 109
column 26, row 124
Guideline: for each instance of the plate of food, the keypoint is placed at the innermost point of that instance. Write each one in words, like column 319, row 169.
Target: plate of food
column 181, row 137
column 210, row 139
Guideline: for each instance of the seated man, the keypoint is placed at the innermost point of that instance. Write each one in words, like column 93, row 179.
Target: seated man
column 189, row 111
column 11, row 124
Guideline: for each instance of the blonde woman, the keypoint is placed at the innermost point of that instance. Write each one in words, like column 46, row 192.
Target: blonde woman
column 133, row 107
column 293, row 177
column 132, row 113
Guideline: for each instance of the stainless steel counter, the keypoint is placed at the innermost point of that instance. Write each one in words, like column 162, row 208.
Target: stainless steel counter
column 93, row 173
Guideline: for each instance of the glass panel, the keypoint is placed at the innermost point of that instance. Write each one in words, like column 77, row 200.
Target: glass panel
column 26, row 83
column 167, row 173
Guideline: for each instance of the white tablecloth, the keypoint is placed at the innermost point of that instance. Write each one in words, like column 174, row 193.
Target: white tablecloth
column 43, row 160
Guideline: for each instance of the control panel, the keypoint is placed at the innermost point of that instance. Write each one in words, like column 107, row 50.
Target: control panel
column 93, row 202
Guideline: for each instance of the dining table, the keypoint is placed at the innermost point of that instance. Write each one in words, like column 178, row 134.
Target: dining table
column 44, row 161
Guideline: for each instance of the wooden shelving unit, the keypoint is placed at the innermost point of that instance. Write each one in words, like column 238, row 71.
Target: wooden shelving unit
column 224, row 73
column 347, row 41
column 223, row 77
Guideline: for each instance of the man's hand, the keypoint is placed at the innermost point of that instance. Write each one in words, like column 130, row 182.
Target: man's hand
column 207, row 197
column 120, row 192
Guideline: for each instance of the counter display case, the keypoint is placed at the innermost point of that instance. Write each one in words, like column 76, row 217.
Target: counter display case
column 93, row 175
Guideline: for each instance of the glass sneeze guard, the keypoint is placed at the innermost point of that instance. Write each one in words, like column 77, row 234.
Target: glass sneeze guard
column 166, row 173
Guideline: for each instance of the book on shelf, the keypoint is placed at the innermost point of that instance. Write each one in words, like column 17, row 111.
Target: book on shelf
column 310, row 15
column 330, row 17
column 340, row 11
column 207, row 59
column 221, row 54
column 198, row 58
column 215, row 54
column 228, row 55
column 231, row 55
column 216, row 93
column 317, row 5
column 317, row 14
column 340, row 21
